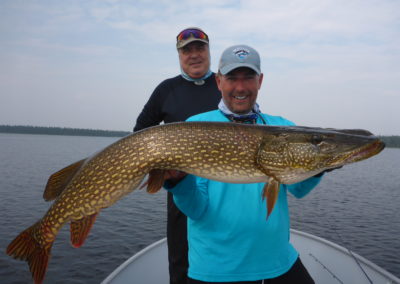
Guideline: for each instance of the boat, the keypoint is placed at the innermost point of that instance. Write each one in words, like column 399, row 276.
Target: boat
column 327, row 262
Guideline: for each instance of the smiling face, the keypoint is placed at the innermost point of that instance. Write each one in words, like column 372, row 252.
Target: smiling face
column 194, row 59
column 239, row 89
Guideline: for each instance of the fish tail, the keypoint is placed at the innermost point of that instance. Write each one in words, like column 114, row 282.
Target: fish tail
column 26, row 247
column 80, row 229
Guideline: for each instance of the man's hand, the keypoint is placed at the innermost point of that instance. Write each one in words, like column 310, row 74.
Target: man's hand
column 157, row 178
column 174, row 176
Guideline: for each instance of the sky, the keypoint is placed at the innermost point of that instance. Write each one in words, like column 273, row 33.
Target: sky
column 94, row 64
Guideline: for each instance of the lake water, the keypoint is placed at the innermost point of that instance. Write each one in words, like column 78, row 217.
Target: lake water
column 357, row 207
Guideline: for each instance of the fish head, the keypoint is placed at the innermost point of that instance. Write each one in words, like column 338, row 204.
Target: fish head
column 293, row 154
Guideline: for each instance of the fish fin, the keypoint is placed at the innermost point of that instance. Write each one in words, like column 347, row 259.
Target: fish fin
column 271, row 193
column 25, row 247
column 59, row 180
column 80, row 229
column 155, row 181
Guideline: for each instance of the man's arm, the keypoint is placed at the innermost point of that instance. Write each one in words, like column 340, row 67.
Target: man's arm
column 190, row 195
column 304, row 187
column 151, row 113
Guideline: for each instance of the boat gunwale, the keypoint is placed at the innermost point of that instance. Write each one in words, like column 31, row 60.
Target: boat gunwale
column 134, row 257
column 350, row 253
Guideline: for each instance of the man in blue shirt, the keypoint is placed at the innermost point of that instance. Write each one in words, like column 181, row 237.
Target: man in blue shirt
column 230, row 239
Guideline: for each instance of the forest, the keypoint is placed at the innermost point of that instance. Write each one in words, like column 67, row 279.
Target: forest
column 391, row 141
column 60, row 131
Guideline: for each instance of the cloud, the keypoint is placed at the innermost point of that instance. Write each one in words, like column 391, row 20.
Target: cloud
column 313, row 52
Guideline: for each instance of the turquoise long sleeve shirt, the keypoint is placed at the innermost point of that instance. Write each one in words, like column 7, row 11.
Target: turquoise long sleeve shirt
column 229, row 237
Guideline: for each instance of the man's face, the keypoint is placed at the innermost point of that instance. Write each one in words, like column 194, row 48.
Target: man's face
column 194, row 59
column 239, row 89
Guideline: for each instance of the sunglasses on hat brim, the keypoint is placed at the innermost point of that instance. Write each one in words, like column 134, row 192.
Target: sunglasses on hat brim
column 185, row 34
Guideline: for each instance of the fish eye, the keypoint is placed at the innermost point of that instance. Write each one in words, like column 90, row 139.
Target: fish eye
column 316, row 139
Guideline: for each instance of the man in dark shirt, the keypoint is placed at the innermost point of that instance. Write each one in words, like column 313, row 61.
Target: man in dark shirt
column 192, row 92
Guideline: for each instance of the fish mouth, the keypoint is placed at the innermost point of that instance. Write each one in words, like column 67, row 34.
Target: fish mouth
column 359, row 132
column 364, row 152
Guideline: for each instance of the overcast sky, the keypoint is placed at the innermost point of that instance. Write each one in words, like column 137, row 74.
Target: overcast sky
column 94, row 64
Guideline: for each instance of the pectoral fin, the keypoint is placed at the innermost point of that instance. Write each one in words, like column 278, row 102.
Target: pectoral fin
column 59, row 180
column 271, row 193
column 155, row 181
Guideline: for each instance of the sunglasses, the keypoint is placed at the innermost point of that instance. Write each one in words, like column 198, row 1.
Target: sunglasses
column 191, row 32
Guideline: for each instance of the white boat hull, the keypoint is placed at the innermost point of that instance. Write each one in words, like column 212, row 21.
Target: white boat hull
column 328, row 263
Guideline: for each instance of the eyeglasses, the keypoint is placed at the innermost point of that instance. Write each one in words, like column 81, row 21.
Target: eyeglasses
column 185, row 34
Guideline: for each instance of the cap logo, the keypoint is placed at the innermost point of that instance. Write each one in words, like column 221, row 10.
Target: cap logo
column 241, row 53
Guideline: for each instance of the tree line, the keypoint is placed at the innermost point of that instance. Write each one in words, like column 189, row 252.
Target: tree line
column 60, row 131
column 390, row 141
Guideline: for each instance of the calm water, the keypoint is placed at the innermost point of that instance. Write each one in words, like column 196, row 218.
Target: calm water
column 357, row 207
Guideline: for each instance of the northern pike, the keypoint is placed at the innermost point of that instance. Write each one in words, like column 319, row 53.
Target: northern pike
column 227, row 152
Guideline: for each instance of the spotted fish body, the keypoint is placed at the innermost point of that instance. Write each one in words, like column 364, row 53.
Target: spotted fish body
column 225, row 152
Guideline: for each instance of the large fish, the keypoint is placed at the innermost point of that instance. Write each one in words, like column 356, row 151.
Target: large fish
column 226, row 152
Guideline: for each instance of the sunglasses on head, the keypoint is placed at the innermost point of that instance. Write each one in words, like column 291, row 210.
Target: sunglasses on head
column 192, row 32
